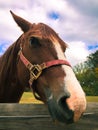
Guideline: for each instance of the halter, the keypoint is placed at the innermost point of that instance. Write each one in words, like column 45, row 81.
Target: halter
column 37, row 69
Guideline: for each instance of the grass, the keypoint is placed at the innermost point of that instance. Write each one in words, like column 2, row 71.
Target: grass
column 92, row 98
column 29, row 98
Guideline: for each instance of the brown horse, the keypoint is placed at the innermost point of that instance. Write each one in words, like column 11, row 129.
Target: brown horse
column 37, row 60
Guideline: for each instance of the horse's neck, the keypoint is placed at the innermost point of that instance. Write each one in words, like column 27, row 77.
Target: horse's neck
column 10, row 88
column 12, row 91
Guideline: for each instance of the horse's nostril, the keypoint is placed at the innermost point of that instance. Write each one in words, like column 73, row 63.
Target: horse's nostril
column 62, row 103
column 69, row 114
column 63, row 96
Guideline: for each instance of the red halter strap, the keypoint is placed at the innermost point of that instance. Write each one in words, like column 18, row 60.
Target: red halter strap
column 36, row 69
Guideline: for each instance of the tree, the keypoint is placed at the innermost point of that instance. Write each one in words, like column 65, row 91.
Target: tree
column 93, row 60
column 87, row 74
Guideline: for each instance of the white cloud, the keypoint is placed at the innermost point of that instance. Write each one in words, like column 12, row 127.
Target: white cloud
column 71, row 25
column 78, row 26
column 77, row 52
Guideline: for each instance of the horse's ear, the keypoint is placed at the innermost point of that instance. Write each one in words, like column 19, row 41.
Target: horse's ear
column 22, row 23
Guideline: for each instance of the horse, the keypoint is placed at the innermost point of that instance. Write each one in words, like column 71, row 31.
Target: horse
column 37, row 60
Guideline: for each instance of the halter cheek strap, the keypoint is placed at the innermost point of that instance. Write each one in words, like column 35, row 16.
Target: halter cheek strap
column 36, row 69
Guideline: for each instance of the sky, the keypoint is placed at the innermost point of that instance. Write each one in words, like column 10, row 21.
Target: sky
column 76, row 22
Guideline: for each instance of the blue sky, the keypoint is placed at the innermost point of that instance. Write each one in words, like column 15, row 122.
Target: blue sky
column 76, row 22
column 54, row 15
column 92, row 47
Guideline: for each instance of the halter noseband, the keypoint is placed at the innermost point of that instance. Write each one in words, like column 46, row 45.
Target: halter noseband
column 36, row 69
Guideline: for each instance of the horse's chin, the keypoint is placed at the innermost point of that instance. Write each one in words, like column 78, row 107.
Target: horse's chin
column 59, row 111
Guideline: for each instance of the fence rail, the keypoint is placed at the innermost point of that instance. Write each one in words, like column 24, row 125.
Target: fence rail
column 36, row 117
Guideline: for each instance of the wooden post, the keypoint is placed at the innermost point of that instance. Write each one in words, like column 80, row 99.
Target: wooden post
column 36, row 117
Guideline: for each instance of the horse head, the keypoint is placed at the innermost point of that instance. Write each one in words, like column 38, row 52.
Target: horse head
column 55, row 83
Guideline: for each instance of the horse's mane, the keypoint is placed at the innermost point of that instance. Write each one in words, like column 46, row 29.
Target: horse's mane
column 8, row 64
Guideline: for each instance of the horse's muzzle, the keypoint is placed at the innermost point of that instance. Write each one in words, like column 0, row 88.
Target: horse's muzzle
column 59, row 110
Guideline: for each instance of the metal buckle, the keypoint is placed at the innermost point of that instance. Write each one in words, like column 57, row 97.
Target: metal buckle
column 35, row 72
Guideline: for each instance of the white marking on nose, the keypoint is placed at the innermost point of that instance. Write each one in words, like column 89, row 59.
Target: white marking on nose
column 77, row 101
column 50, row 97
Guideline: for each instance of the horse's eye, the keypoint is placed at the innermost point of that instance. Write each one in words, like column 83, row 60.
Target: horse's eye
column 34, row 41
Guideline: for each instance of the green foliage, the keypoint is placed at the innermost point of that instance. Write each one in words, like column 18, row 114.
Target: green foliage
column 93, row 60
column 87, row 74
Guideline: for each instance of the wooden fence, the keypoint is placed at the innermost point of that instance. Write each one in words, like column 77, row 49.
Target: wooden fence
column 36, row 117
